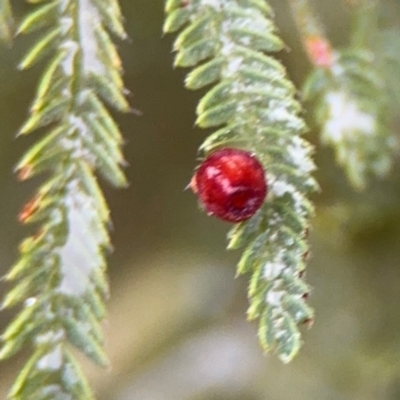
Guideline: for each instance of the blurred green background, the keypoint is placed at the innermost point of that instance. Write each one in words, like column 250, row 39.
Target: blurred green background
column 176, row 328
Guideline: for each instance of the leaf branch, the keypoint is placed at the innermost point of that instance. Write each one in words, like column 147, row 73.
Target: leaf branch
column 253, row 104
column 350, row 93
column 60, row 276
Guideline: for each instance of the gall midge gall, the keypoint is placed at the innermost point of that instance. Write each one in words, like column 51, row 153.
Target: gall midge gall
column 230, row 184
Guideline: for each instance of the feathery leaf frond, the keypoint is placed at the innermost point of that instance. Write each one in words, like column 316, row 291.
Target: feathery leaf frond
column 351, row 92
column 60, row 276
column 253, row 103
column 352, row 109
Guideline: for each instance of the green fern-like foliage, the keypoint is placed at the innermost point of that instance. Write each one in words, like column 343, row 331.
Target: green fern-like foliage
column 253, row 104
column 386, row 50
column 60, row 276
column 353, row 102
column 6, row 22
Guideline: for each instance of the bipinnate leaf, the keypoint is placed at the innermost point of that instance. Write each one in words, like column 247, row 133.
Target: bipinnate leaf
column 60, row 279
column 253, row 105
column 353, row 93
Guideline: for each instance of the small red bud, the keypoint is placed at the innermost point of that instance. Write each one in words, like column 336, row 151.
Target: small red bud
column 320, row 51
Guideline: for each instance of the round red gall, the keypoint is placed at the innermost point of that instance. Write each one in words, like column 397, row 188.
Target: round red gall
column 230, row 184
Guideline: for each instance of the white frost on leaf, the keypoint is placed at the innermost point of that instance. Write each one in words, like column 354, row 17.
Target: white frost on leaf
column 233, row 67
column 274, row 268
column 50, row 337
column 30, row 301
column 51, row 361
column 280, row 187
column 81, row 254
column 212, row 3
column 70, row 47
column 345, row 118
column 69, row 375
column 300, row 155
column 280, row 334
column 66, row 24
column 227, row 45
column 278, row 111
column 88, row 19
column 274, row 297
column 56, row 391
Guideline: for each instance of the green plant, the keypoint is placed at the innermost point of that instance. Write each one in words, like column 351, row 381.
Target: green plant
column 60, row 276
column 250, row 103
column 255, row 102
column 352, row 91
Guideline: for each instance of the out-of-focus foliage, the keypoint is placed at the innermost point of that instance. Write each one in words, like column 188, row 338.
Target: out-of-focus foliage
column 355, row 97
column 6, row 22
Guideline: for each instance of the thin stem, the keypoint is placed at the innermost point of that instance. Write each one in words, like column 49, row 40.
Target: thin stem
column 316, row 44
column 76, row 37
column 365, row 23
